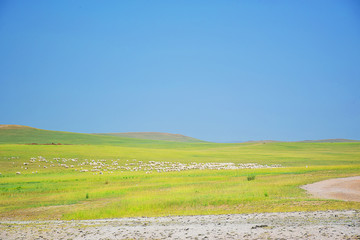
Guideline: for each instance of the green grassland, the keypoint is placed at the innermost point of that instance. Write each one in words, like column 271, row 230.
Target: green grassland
column 47, row 190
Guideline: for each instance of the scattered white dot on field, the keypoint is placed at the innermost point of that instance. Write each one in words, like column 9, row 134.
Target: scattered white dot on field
column 102, row 166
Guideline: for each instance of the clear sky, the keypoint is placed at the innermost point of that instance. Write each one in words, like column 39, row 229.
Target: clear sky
column 214, row 70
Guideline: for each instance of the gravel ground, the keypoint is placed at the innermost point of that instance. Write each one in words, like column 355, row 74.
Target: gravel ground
column 295, row 225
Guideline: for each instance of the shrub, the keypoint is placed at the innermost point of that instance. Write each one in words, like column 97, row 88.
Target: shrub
column 251, row 177
column 87, row 196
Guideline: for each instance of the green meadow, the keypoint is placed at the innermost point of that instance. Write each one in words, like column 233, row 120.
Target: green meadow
column 45, row 189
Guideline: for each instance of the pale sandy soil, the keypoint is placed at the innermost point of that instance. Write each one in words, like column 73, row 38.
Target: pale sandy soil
column 347, row 189
column 297, row 225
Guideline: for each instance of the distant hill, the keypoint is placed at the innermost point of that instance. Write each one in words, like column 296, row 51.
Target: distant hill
column 154, row 136
column 263, row 141
column 17, row 134
column 337, row 140
column 12, row 126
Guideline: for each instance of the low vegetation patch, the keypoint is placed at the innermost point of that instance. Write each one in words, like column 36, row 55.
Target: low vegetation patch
column 251, row 177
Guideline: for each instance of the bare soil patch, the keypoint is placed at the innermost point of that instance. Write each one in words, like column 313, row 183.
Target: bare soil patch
column 347, row 189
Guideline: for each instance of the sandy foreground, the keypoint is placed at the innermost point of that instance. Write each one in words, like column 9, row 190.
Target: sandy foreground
column 295, row 225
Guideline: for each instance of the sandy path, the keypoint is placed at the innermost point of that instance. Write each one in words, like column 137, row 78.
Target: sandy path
column 296, row 225
column 347, row 189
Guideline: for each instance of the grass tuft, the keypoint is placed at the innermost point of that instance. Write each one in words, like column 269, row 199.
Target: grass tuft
column 251, row 177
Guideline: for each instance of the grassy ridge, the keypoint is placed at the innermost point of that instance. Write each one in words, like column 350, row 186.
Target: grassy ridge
column 17, row 134
column 39, row 136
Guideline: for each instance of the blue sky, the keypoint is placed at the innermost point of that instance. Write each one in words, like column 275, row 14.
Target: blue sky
column 214, row 70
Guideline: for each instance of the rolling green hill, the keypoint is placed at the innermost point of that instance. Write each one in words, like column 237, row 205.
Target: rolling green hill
column 154, row 136
column 16, row 134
